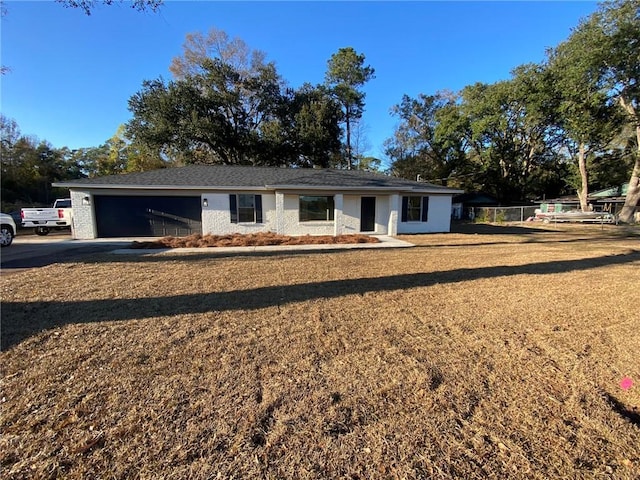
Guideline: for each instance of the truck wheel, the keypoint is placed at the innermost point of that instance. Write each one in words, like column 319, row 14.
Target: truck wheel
column 6, row 235
column 42, row 231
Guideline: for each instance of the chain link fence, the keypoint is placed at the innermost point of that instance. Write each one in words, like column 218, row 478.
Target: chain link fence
column 501, row 214
column 516, row 214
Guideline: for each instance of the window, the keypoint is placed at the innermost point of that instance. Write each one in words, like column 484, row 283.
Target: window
column 245, row 208
column 316, row 208
column 415, row 209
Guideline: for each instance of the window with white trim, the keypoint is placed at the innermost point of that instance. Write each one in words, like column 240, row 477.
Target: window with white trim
column 245, row 208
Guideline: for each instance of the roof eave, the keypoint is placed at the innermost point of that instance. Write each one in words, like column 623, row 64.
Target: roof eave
column 98, row 186
column 323, row 188
column 389, row 188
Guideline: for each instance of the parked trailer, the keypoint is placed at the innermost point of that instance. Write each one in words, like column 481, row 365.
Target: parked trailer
column 576, row 216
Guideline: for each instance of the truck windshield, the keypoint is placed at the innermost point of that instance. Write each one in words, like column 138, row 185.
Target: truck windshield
column 63, row 204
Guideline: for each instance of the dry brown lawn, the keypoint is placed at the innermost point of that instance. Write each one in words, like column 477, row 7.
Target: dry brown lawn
column 489, row 355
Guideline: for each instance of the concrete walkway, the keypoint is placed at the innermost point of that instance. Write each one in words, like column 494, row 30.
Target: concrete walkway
column 385, row 242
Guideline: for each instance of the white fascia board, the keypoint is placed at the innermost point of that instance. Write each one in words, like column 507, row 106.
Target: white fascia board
column 446, row 191
column 93, row 186
column 434, row 190
column 326, row 188
column 390, row 190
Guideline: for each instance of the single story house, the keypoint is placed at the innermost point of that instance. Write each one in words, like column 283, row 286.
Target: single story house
column 220, row 199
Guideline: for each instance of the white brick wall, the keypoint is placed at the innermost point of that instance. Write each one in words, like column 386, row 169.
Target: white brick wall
column 351, row 214
column 439, row 219
column 84, row 225
column 216, row 217
column 394, row 208
column 382, row 215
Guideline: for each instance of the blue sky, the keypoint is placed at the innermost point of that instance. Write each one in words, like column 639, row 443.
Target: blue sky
column 72, row 75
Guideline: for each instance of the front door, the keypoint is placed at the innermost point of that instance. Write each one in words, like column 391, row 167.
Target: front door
column 368, row 214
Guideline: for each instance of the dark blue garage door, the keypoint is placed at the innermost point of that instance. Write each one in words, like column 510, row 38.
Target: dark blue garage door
column 138, row 216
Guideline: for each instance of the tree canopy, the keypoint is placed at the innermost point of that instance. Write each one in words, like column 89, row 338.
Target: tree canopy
column 552, row 128
column 29, row 166
column 221, row 114
column 227, row 104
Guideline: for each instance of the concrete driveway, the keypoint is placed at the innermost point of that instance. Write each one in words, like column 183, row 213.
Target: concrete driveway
column 31, row 251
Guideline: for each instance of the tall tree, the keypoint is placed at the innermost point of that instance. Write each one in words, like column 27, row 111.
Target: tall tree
column 420, row 146
column 223, row 116
column 228, row 105
column 620, row 22
column 216, row 116
column 346, row 74
column 141, row 158
column 614, row 164
column 604, row 56
column 586, row 117
column 313, row 117
column 29, row 166
column 87, row 160
column 512, row 130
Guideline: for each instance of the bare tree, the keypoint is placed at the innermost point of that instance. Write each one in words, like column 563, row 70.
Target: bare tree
column 215, row 44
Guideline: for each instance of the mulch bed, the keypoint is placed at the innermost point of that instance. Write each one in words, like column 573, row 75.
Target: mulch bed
column 251, row 240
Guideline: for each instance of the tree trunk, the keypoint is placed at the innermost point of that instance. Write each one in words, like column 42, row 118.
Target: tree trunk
column 584, row 180
column 348, row 125
column 633, row 193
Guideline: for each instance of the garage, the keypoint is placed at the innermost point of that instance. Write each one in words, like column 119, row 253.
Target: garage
column 147, row 216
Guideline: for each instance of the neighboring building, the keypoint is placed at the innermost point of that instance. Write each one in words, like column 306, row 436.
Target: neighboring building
column 609, row 200
column 464, row 205
column 219, row 199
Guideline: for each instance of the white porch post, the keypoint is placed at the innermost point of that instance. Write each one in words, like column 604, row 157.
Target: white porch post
column 280, row 213
column 392, row 229
column 338, row 220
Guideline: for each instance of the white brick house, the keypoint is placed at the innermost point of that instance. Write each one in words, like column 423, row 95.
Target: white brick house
column 228, row 199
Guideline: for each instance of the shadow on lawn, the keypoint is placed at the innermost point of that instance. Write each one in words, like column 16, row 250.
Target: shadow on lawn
column 491, row 229
column 23, row 319
column 535, row 228
column 628, row 413
column 527, row 241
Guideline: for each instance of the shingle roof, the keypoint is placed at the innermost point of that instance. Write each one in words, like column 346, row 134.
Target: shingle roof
column 225, row 176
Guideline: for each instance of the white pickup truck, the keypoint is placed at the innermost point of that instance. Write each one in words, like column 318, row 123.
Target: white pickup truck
column 45, row 219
